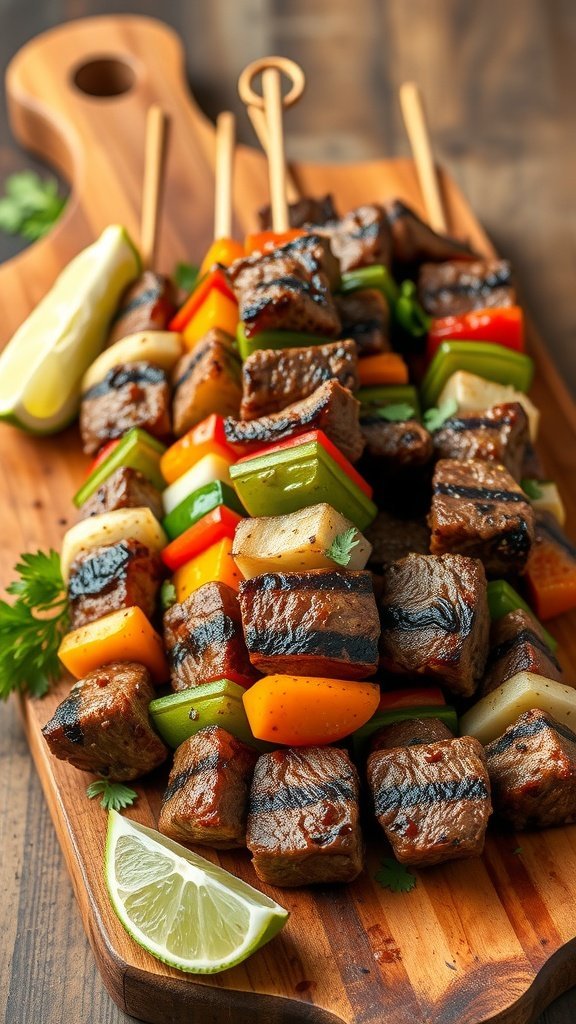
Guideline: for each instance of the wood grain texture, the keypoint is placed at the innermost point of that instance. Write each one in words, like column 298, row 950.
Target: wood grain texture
column 382, row 932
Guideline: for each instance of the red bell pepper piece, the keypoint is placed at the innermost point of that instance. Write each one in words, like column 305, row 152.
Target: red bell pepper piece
column 221, row 522
column 267, row 241
column 215, row 279
column 411, row 697
column 503, row 326
column 102, row 455
column 320, row 437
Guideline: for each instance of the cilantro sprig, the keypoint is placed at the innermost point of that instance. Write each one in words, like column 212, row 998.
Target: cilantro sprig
column 395, row 876
column 32, row 627
column 340, row 550
column 396, row 413
column 436, row 417
column 167, row 595
column 186, row 276
column 115, row 795
column 30, row 205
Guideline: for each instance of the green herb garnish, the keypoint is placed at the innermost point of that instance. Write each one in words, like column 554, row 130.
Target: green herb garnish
column 396, row 413
column 186, row 276
column 395, row 876
column 167, row 595
column 32, row 628
column 532, row 489
column 115, row 795
column 408, row 312
column 30, row 205
column 340, row 550
column 434, row 418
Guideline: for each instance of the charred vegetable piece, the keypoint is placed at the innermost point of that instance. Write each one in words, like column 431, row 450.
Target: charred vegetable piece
column 180, row 715
column 365, row 317
column 198, row 504
column 455, row 287
column 124, row 635
column 206, row 381
column 110, row 528
column 518, row 644
column 497, row 326
column 206, row 438
column 125, row 488
column 492, row 714
column 471, row 392
column 502, row 598
column 361, row 238
column 111, row 577
column 491, row 362
column 304, row 817
column 103, row 725
column 414, row 241
column 137, row 450
column 146, row 305
column 214, row 564
column 499, row 434
column 551, row 569
column 207, row 797
column 134, row 395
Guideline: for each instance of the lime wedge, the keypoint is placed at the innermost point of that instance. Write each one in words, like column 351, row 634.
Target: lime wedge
column 182, row 909
column 43, row 364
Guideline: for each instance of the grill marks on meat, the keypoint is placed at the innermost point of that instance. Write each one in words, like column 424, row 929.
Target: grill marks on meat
column 365, row 317
column 435, row 620
column 204, row 639
column 448, row 289
column 134, row 395
column 288, row 289
column 206, row 801
column 103, row 725
column 410, row 733
column 532, row 769
column 432, row 799
column 305, row 211
column 361, row 238
column 478, row 509
column 330, row 408
column 146, row 305
column 320, row 623
column 517, row 644
column 304, row 820
column 500, row 434
column 393, row 538
column 206, row 380
column 413, row 241
column 125, row 488
column 111, row 577
column 397, row 446
column 275, row 378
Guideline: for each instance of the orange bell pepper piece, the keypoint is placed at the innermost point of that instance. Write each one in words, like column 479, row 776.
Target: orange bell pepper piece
column 384, row 368
column 213, row 565
column 124, row 635
column 215, row 280
column 223, row 251
column 206, row 438
column 217, row 524
column 551, row 576
column 267, row 241
column 217, row 310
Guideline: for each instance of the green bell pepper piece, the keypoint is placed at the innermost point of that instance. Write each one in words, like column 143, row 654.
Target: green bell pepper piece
column 378, row 277
column 197, row 504
column 373, row 399
column 409, row 314
column 360, row 738
column 137, row 450
column 292, row 478
column 180, row 715
column 502, row 598
column 493, row 362
column 274, row 339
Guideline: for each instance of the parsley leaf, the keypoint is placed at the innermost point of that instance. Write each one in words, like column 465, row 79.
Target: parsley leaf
column 396, row 413
column 532, row 489
column 32, row 628
column 115, row 795
column 30, row 206
column 434, row 418
column 186, row 276
column 395, row 876
column 408, row 312
column 340, row 550
column 167, row 595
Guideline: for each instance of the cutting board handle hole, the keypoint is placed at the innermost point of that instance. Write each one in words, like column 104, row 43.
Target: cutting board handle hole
column 104, row 77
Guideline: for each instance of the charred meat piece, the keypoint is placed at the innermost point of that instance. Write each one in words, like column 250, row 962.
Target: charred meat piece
column 448, row 289
column 499, row 434
column 288, row 289
column 413, row 241
column 432, row 799
column 146, row 305
column 275, row 378
column 361, row 238
column 532, row 769
column 207, row 797
column 111, row 577
column 204, row 639
column 330, row 408
column 478, row 509
column 410, row 733
column 393, row 538
column 318, row 623
column 304, row 211
column 304, row 820
column 532, row 467
column 365, row 318
column 517, row 644
column 435, row 620
column 103, row 724
column 397, row 446
column 134, row 395
column 208, row 379
column 125, row 488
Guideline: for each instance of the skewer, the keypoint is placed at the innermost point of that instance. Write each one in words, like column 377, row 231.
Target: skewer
column 156, row 125
column 258, row 121
column 419, row 134
column 225, row 143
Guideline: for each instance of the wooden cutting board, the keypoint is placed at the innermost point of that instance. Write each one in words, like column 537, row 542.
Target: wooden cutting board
column 485, row 940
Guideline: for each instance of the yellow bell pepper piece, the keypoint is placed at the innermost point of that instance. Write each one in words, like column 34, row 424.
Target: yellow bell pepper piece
column 215, row 565
column 217, row 310
column 224, row 251
column 124, row 635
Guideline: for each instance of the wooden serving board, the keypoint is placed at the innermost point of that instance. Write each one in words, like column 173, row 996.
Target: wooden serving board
column 484, row 940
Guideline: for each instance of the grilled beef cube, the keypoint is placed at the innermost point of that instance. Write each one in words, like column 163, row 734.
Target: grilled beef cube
column 125, row 488
column 330, row 408
column 204, row 639
column 288, row 289
column 409, row 733
column 134, row 395
column 305, row 211
column 318, row 623
column 499, row 434
column 393, row 538
column 208, row 379
column 146, row 305
column 432, row 799
column 303, row 819
column 448, row 289
column 275, row 378
column 478, row 509
column 532, row 769
column 435, row 620
column 397, row 446
column 532, row 466
column 207, row 797
column 103, row 724
column 413, row 241
column 361, row 238
column 517, row 644
column 365, row 318
column 111, row 577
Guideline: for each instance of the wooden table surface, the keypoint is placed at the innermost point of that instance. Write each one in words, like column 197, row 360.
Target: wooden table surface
column 499, row 78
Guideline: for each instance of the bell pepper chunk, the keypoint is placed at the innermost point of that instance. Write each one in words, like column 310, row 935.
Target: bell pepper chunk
column 215, row 280
column 206, row 438
column 198, row 504
column 215, row 564
column 124, row 635
column 492, row 362
column 551, row 569
column 378, row 277
column 103, row 454
column 223, row 251
column 502, row 598
column 267, row 241
column 504, row 326
column 384, row 368
column 136, row 450
column 329, row 447
column 178, row 716
column 443, row 712
column 205, row 471
column 212, row 527
column 217, row 310
column 273, row 339
column 374, row 399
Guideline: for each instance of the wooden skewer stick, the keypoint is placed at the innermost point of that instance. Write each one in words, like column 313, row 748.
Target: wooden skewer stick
column 156, row 125
column 225, row 144
column 419, row 134
column 258, row 120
